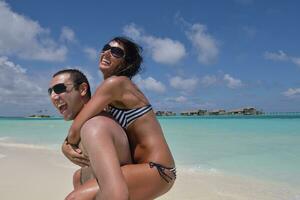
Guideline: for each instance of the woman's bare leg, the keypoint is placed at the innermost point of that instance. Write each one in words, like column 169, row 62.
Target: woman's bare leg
column 144, row 183
column 106, row 144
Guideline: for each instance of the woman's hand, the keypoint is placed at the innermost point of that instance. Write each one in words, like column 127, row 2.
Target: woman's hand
column 75, row 155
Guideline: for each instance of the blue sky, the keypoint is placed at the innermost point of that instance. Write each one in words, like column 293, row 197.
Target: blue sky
column 197, row 54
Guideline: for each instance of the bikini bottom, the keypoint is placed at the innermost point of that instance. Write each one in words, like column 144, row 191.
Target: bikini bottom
column 168, row 177
column 167, row 173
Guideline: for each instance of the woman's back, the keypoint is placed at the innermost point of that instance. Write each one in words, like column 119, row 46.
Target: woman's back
column 144, row 133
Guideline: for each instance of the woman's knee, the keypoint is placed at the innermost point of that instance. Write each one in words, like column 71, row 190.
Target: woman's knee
column 104, row 128
column 96, row 127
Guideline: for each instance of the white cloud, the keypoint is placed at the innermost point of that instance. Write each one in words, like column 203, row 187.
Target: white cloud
column 91, row 53
column 175, row 100
column 17, row 87
column 163, row 50
column 132, row 31
column 232, row 82
column 189, row 84
column 292, row 92
column 296, row 60
column 25, row 38
column 183, row 84
column 182, row 103
column 209, row 80
column 181, row 99
column 281, row 56
column 149, row 84
column 205, row 44
column 67, row 34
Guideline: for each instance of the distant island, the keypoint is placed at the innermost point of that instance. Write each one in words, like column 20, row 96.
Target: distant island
column 200, row 112
column 39, row 116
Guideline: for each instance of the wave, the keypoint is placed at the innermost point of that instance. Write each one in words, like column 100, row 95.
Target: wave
column 2, row 156
column 25, row 146
column 192, row 169
column 4, row 138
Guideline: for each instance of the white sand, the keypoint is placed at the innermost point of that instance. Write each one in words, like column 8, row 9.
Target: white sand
column 34, row 174
column 214, row 186
column 39, row 174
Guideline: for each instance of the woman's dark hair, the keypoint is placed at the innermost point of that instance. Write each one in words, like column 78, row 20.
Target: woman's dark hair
column 133, row 57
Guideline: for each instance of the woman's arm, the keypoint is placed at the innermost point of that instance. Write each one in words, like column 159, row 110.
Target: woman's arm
column 108, row 91
column 75, row 155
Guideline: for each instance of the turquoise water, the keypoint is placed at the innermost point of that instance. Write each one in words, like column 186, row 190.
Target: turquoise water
column 266, row 147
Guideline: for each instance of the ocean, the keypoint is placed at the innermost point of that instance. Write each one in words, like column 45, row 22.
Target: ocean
column 263, row 147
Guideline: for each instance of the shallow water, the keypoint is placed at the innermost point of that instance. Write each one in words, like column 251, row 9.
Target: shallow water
column 265, row 147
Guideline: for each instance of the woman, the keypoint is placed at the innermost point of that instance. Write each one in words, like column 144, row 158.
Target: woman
column 153, row 171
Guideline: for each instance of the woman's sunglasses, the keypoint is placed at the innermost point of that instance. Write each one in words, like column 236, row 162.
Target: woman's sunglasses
column 58, row 88
column 115, row 51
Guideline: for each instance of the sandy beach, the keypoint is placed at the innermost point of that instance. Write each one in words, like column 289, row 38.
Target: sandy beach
column 36, row 173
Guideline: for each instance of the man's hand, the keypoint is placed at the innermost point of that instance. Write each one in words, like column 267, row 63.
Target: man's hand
column 75, row 155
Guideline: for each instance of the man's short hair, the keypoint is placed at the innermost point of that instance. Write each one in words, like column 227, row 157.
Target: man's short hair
column 77, row 77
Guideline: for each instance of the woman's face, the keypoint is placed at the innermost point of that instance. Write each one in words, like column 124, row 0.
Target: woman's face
column 111, row 58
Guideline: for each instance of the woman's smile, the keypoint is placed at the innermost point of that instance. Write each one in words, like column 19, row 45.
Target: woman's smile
column 105, row 61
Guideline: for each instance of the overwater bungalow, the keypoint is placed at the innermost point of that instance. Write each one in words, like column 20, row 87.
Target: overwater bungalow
column 189, row 113
column 165, row 113
column 240, row 111
column 245, row 111
column 217, row 112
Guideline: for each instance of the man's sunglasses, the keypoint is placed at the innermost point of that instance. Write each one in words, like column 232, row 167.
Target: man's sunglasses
column 115, row 51
column 58, row 88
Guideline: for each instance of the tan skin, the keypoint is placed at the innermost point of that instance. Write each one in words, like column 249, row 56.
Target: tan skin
column 145, row 135
column 101, row 136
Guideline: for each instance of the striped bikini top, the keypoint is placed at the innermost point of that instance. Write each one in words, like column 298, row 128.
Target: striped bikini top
column 127, row 116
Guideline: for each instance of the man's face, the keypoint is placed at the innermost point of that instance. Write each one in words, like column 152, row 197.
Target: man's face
column 69, row 102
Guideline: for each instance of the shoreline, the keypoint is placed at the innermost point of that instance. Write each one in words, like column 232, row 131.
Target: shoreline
column 265, row 114
column 28, row 173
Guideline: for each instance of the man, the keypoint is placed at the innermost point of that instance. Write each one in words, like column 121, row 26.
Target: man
column 69, row 92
